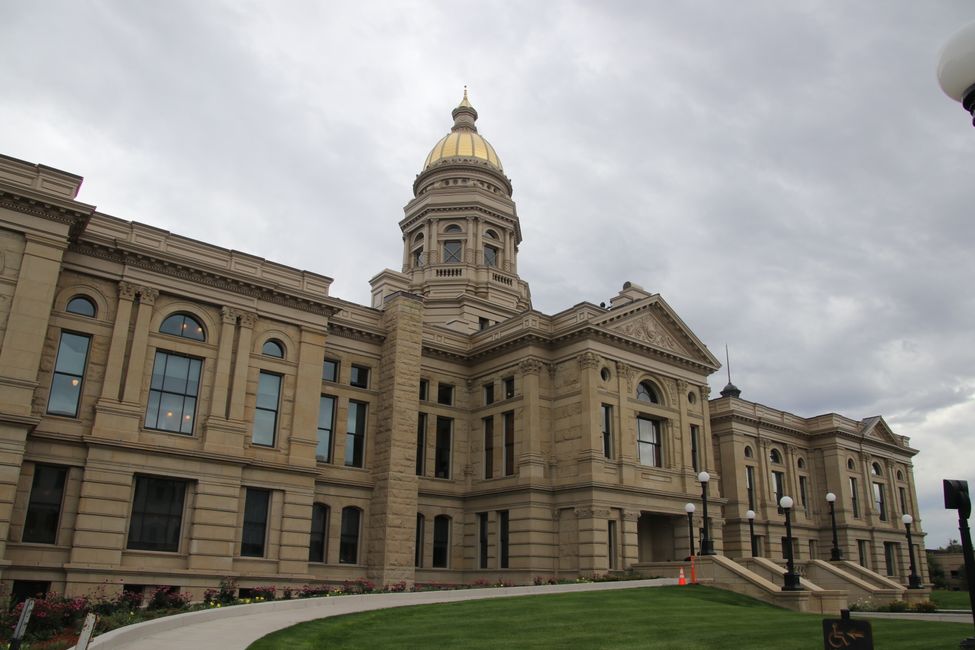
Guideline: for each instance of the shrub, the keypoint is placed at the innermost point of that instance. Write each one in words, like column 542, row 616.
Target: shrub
column 896, row 606
column 924, row 607
column 264, row 593
column 288, row 593
column 167, row 598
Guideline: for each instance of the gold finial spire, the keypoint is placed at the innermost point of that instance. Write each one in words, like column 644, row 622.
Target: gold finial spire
column 465, row 102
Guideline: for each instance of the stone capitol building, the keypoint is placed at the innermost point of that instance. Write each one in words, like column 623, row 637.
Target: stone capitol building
column 174, row 413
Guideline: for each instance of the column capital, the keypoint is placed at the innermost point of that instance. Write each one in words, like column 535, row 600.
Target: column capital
column 530, row 366
column 127, row 290
column 229, row 315
column 247, row 319
column 589, row 360
column 148, row 295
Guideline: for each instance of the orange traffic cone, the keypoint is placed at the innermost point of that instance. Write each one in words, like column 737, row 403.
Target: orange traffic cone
column 680, row 579
column 693, row 574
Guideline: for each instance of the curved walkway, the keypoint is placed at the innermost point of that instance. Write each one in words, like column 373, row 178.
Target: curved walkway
column 236, row 627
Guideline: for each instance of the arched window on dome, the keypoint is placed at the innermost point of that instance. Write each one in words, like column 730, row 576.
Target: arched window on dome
column 81, row 305
column 491, row 234
column 452, row 228
column 490, row 256
column 416, row 253
column 645, row 392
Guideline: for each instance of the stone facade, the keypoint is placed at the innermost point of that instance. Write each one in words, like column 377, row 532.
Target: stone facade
column 174, row 413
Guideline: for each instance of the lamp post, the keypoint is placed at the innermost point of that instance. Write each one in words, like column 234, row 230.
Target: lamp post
column 914, row 581
column 835, row 554
column 956, row 68
column 689, row 508
column 707, row 544
column 750, row 516
column 791, row 578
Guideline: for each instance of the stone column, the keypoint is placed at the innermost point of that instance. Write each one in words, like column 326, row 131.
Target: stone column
column 308, row 389
column 392, row 513
column 120, row 336
column 630, row 538
column 296, row 527
column 225, row 351
column 20, row 359
column 242, row 362
column 213, row 522
column 531, row 464
column 140, row 342
column 593, row 540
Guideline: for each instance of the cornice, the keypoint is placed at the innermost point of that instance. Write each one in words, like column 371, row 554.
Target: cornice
column 349, row 331
column 245, row 287
column 73, row 217
column 409, row 221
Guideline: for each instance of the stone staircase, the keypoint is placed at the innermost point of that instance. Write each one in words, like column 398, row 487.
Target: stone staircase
column 827, row 587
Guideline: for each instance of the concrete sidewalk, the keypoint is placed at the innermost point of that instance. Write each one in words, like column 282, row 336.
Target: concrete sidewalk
column 953, row 616
column 236, row 627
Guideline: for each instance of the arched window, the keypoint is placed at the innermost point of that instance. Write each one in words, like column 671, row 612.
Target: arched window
column 491, row 234
column 645, row 392
column 349, row 541
column 319, row 533
column 81, row 305
column 273, row 348
column 453, row 228
column 875, row 469
column 183, row 325
column 490, row 256
column 441, row 542
column 900, row 475
column 748, row 451
column 850, row 464
column 801, row 463
column 418, row 239
column 775, row 457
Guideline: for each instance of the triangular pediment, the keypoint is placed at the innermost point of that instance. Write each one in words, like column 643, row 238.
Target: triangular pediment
column 651, row 321
column 876, row 429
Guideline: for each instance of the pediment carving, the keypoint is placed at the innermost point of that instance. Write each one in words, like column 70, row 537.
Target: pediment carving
column 648, row 329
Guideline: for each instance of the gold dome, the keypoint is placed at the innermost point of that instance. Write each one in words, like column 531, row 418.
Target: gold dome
column 463, row 141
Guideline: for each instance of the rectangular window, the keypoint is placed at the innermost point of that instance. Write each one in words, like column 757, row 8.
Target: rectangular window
column 489, row 447
column 359, row 377
column 606, row 423
column 355, row 434
column 424, row 390
column 482, row 540
column 421, row 443
column 418, row 546
column 490, row 256
column 503, row 538
column 451, row 252
column 903, row 495
column 863, row 551
column 488, row 394
column 854, row 497
column 330, row 370
column 803, row 491
column 349, row 541
column 256, row 505
column 445, row 394
column 442, row 456
column 44, row 506
column 157, row 514
column 326, row 424
column 879, row 502
column 441, row 542
column 695, row 431
column 173, row 390
column 509, row 443
column 319, row 533
column 648, row 441
column 509, row 387
column 750, row 485
column 611, row 542
column 483, row 323
column 778, row 486
column 890, row 557
column 69, row 374
column 266, row 412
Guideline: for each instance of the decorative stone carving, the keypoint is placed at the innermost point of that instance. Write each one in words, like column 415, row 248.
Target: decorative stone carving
column 126, row 290
column 229, row 315
column 247, row 319
column 589, row 360
column 148, row 295
column 681, row 386
column 649, row 330
column 530, row 366
column 625, row 373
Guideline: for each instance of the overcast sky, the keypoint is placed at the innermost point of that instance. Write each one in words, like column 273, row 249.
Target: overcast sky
column 788, row 175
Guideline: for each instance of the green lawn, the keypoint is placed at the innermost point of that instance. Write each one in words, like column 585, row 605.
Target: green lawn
column 945, row 599
column 662, row 617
